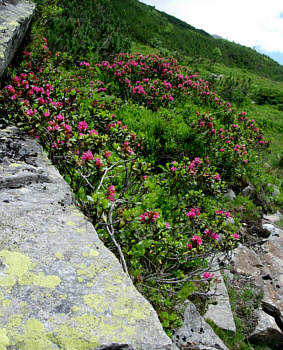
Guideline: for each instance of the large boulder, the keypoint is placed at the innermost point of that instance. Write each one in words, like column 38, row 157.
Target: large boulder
column 60, row 287
column 15, row 17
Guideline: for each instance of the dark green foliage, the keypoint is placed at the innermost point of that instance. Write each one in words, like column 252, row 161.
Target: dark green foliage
column 233, row 89
column 86, row 28
column 268, row 96
column 90, row 28
column 149, row 26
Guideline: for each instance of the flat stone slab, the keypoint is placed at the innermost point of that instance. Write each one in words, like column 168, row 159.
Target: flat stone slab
column 15, row 16
column 60, row 288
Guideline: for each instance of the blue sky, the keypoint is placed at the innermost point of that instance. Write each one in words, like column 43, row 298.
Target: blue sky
column 253, row 23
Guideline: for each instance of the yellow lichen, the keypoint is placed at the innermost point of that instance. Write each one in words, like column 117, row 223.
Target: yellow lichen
column 18, row 271
column 4, row 340
column 59, row 256
column 71, row 223
column 35, row 336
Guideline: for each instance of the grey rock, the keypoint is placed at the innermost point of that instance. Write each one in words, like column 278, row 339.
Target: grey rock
column 60, row 287
column 273, row 230
column 220, row 312
column 273, row 218
column 275, row 189
column 266, row 331
column 196, row 333
column 15, row 17
column 265, row 267
column 230, row 195
column 248, row 191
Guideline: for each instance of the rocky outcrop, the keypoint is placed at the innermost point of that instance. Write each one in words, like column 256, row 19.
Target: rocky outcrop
column 266, row 331
column 15, row 16
column 196, row 333
column 265, row 267
column 60, row 287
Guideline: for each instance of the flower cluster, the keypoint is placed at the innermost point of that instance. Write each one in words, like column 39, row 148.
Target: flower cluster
column 149, row 216
column 111, row 193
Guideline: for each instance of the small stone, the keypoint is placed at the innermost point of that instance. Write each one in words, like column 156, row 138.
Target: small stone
column 248, row 191
column 275, row 189
column 230, row 195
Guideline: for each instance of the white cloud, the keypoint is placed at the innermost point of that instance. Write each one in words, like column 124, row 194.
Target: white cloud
column 248, row 22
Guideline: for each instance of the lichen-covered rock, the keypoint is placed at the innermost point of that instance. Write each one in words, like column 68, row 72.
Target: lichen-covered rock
column 60, row 288
column 15, row 16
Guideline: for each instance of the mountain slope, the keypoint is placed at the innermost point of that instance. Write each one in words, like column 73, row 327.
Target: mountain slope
column 103, row 27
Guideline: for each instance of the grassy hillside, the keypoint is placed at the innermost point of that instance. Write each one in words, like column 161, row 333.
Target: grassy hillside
column 103, row 27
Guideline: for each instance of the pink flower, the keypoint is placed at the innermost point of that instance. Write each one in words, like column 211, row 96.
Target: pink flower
column 107, row 154
column 193, row 213
column 111, row 192
column 93, row 131
column 219, row 212
column 149, row 216
column 82, row 126
column 98, row 163
column 208, row 275
column 236, row 236
column 87, row 156
column 46, row 114
column 173, row 168
column 197, row 239
column 214, row 236
column 167, row 225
